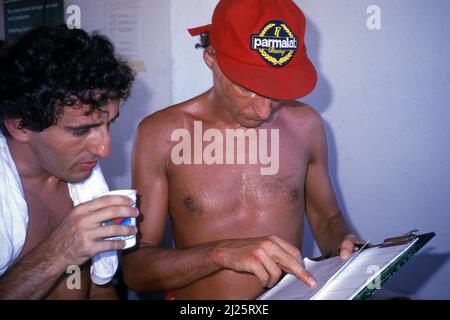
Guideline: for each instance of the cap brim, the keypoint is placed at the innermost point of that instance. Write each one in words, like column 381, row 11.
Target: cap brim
column 199, row 30
column 284, row 83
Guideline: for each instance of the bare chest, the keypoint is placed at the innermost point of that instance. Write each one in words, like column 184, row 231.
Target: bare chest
column 239, row 168
column 46, row 210
column 227, row 199
column 207, row 190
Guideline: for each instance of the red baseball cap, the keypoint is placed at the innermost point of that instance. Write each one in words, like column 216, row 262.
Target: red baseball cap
column 260, row 45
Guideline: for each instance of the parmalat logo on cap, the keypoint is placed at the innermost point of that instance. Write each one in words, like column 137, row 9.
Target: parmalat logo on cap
column 275, row 43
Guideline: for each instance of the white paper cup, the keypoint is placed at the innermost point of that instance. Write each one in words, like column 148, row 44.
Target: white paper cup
column 130, row 241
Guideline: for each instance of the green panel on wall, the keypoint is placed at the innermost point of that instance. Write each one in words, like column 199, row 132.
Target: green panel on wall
column 22, row 15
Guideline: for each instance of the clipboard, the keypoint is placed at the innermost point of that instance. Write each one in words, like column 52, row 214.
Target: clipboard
column 349, row 280
column 394, row 266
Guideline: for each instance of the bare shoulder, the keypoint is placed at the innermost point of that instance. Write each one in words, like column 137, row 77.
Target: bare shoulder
column 302, row 118
column 307, row 125
column 164, row 120
column 157, row 128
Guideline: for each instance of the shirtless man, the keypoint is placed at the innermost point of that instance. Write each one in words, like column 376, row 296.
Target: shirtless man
column 60, row 90
column 235, row 229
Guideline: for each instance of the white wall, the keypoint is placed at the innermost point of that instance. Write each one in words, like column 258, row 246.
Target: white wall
column 151, row 90
column 190, row 76
column 384, row 96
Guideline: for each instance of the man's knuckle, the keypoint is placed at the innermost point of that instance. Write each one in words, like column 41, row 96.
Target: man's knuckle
column 268, row 244
column 257, row 253
column 263, row 276
column 277, row 273
column 106, row 201
column 116, row 245
column 254, row 262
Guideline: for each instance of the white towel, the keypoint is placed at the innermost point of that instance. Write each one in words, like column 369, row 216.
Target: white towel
column 104, row 265
column 13, row 209
column 14, row 215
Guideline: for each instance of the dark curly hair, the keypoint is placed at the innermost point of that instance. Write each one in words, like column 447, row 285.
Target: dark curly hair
column 50, row 68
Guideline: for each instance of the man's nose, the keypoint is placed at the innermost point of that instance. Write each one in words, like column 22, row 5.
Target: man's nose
column 101, row 143
column 263, row 107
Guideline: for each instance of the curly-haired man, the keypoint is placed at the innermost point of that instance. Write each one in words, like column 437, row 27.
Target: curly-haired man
column 60, row 90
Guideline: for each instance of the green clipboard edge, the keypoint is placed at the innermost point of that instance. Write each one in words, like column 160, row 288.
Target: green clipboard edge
column 387, row 273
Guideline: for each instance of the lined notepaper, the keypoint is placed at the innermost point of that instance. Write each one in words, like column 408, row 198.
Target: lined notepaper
column 338, row 279
column 362, row 272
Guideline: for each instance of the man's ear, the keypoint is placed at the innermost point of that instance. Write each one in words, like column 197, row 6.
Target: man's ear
column 15, row 129
column 209, row 56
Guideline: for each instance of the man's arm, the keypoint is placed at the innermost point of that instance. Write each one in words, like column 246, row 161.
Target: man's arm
column 106, row 292
column 32, row 276
column 74, row 242
column 152, row 268
column 327, row 223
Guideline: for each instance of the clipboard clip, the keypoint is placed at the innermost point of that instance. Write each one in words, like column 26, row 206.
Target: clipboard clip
column 404, row 239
